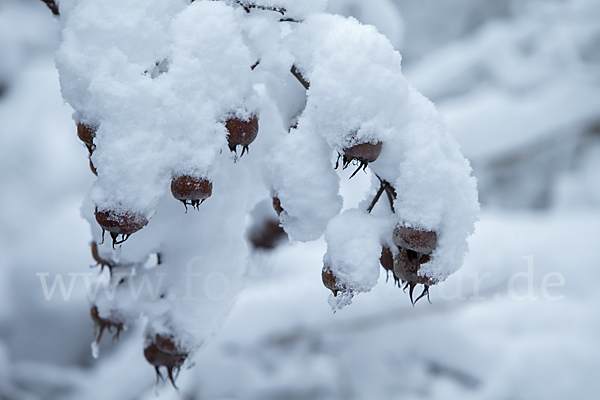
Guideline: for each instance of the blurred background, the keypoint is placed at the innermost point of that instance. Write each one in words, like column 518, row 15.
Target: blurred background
column 519, row 84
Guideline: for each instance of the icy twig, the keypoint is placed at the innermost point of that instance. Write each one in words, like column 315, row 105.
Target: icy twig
column 298, row 75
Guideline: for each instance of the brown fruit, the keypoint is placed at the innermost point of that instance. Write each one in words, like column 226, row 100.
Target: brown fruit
column 417, row 240
column 120, row 223
column 387, row 258
column 163, row 351
column 277, row 205
column 195, row 190
column 387, row 262
column 86, row 134
column 415, row 247
column 366, row 152
column 362, row 154
column 267, row 234
column 330, row 280
column 241, row 132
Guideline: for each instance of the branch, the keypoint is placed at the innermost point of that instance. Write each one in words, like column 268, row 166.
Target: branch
column 52, row 6
column 376, row 199
column 247, row 6
column 296, row 72
column 290, row 20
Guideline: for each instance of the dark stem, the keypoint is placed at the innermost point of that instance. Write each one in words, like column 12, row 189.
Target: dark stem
column 52, row 6
column 376, row 198
column 247, row 6
column 389, row 191
column 290, row 20
column 296, row 72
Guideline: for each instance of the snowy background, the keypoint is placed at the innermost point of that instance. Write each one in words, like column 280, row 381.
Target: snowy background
column 519, row 85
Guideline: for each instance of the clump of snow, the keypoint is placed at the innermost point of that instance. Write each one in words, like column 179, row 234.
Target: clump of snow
column 383, row 14
column 357, row 88
column 152, row 128
column 158, row 79
column 353, row 249
column 305, row 183
column 433, row 183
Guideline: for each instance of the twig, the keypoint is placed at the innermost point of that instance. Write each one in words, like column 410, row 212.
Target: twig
column 247, row 6
column 376, row 198
column 290, row 20
column 296, row 72
column 52, row 6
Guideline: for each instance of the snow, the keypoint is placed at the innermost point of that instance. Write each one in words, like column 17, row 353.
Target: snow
column 353, row 256
column 346, row 101
column 95, row 349
column 383, row 14
column 516, row 80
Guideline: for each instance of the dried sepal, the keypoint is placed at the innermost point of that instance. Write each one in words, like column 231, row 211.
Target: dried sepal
column 406, row 268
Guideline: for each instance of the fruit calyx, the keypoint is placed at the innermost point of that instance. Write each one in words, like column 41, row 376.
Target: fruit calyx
column 415, row 247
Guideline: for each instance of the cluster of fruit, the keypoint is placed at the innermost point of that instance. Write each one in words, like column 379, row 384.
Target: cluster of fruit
column 160, row 350
column 413, row 246
column 296, row 158
column 190, row 190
